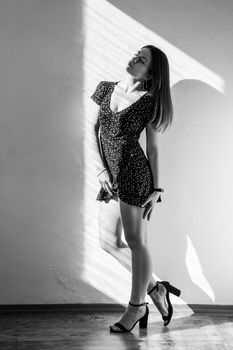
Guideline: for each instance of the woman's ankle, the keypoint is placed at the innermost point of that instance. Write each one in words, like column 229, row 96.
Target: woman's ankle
column 137, row 302
column 151, row 285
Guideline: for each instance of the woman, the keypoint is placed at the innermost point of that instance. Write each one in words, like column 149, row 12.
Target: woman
column 123, row 109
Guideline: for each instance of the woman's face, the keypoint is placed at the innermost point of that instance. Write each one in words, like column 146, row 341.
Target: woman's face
column 140, row 63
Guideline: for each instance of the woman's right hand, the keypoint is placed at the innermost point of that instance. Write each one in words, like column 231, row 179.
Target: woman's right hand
column 104, row 179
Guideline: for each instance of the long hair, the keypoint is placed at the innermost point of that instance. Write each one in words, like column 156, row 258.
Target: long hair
column 159, row 87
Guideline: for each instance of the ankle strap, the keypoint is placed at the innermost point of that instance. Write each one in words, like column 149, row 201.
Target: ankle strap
column 155, row 287
column 138, row 304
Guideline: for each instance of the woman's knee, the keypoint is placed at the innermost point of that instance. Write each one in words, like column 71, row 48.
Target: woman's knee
column 135, row 240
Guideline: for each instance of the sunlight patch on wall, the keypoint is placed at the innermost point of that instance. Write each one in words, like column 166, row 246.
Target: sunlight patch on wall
column 111, row 38
column 195, row 270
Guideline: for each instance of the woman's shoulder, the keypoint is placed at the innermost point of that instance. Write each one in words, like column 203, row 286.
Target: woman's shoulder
column 150, row 102
column 149, row 94
column 101, row 90
column 106, row 83
column 150, row 98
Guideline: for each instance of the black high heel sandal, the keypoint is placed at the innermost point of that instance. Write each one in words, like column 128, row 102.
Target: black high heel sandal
column 169, row 288
column 142, row 321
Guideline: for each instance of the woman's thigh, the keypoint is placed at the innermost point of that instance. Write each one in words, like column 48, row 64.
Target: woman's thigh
column 110, row 225
column 135, row 227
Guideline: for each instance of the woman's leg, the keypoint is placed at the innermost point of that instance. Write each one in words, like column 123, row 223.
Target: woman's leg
column 110, row 233
column 135, row 234
column 135, row 229
column 110, row 227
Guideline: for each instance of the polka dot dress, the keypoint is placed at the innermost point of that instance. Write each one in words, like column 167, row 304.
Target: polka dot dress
column 125, row 160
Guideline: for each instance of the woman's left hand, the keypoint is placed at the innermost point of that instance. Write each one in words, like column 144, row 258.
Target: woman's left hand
column 149, row 203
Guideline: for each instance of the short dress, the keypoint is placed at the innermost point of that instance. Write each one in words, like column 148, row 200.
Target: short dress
column 128, row 167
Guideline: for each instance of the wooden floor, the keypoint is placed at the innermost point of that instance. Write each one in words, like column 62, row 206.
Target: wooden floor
column 80, row 331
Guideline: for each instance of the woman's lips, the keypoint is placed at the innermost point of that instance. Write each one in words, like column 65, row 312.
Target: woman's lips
column 130, row 64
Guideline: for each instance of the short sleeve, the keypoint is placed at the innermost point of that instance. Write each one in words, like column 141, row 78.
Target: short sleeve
column 150, row 108
column 99, row 93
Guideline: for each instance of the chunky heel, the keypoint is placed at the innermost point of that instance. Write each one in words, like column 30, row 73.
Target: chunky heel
column 174, row 290
column 144, row 320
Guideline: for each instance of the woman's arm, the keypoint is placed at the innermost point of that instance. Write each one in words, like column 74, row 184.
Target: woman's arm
column 152, row 152
column 95, row 145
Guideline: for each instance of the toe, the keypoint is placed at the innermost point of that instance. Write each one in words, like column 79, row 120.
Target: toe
column 115, row 328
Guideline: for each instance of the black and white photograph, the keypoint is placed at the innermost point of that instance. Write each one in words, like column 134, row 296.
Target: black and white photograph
column 116, row 175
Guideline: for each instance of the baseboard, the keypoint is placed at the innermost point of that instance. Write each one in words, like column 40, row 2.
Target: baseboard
column 106, row 307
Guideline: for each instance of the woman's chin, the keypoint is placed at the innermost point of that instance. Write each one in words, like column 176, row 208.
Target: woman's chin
column 129, row 69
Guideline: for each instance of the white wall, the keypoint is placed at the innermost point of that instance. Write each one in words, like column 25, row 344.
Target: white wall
column 42, row 231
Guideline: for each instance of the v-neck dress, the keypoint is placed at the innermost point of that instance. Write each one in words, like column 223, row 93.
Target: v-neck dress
column 128, row 167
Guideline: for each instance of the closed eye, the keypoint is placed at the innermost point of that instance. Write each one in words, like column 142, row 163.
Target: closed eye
column 141, row 59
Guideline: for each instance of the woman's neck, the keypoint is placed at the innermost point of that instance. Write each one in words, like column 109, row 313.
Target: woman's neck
column 130, row 84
